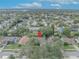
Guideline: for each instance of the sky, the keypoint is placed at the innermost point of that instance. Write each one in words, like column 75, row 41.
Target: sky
column 42, row 4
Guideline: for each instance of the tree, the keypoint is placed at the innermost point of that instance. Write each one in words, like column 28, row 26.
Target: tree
column 76, row 34
column 76, row 21
column 67, row 32
column 11, row 57
column 48, row 31
column 3, row 33
column 20, row 32
column 48, row 51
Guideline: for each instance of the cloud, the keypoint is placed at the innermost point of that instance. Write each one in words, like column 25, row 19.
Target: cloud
column 56, row 6
column 33, row 5
column 62, row 1
column 75, row 2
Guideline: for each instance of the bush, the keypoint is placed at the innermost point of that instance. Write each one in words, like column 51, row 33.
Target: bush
column 65, row 43
column 11, row 57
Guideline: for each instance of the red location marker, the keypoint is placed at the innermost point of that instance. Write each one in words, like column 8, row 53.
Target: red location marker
column 39, row 34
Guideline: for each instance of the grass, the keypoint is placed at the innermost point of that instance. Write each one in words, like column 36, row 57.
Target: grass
column 78, row 45
column 68, row 47
column 13, row 46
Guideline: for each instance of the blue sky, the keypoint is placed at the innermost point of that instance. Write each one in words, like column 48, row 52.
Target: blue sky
column 46, row 4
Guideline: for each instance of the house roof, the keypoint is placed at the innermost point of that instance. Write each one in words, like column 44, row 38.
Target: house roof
column 69, row 40
column 10, row 38
column 23, row 40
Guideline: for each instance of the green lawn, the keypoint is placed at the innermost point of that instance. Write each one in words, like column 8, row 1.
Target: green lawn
column 78, row 45
column 68, row 47
column 13, row 46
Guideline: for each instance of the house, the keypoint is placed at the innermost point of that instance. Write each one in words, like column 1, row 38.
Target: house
column 60, row 29
column 75, row 28
column 6, row 40
column 23, row 40
column 69, row 40
column 34, row 28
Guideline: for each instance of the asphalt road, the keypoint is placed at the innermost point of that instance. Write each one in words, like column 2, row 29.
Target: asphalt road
column 6, row 53
column 71, row 53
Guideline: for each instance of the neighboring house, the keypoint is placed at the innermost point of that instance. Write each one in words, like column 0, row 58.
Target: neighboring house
column 60, row 29
column 5, row 40
column 75, row 28
column 69, row 40
column 23, row 40
column 34, row 23
column 34, row 28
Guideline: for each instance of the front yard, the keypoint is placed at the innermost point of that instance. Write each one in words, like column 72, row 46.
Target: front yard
column 13, row 46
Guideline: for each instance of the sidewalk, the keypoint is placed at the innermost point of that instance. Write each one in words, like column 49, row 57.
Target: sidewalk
column 77, row 48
